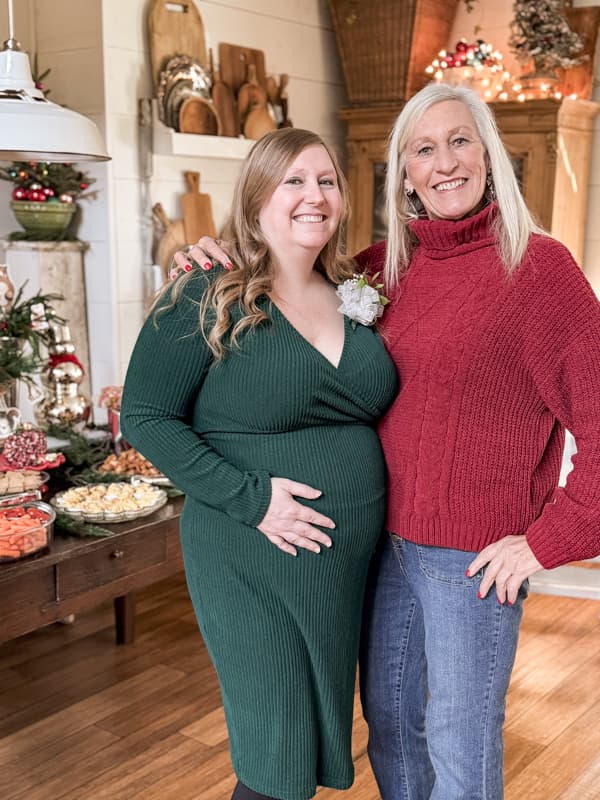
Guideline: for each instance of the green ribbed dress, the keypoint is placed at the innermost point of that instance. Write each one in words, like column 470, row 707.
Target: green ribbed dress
column 282, row 631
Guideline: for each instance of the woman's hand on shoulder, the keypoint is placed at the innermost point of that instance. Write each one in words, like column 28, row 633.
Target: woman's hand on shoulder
column 289, row 524
column 510, row 561
column 202, row 252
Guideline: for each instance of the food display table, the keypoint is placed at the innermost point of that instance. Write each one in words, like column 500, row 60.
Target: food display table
column 79, row 573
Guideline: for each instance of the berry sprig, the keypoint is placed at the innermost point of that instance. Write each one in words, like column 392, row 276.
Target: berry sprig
column 39, row 182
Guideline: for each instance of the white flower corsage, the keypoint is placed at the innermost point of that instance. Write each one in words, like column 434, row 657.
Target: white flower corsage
column 361, row 300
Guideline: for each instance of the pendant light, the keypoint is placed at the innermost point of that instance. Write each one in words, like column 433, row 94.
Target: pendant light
column 33, row 128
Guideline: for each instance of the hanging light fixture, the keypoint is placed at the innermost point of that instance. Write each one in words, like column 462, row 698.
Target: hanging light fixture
column 31, row 127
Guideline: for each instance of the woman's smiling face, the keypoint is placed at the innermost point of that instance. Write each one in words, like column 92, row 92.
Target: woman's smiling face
column 305, row 207
column 446, row 161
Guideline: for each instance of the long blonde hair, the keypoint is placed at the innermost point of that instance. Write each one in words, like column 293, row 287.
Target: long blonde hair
column 513, row 224
column 252, row 273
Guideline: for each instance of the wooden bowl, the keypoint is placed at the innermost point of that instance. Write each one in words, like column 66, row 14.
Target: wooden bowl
column 198, row 115
column 258, row 122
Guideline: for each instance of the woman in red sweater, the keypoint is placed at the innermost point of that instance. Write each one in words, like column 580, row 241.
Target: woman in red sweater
column 495, row 334
column 494, row 331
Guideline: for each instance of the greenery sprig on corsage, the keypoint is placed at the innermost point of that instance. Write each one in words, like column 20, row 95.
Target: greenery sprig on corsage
column 361, row 299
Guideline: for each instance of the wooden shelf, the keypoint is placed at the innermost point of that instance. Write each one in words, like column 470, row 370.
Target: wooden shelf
column 167, row 142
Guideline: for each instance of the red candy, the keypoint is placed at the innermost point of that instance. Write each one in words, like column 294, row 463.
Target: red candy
column 25, row 448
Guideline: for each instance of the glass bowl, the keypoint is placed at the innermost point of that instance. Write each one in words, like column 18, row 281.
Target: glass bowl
column 25, row 528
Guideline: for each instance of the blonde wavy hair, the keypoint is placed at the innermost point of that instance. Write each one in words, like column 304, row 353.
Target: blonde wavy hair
column 513, row 224
column 251, row 277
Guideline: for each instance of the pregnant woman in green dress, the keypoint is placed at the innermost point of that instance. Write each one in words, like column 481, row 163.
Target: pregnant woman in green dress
column 247, row 387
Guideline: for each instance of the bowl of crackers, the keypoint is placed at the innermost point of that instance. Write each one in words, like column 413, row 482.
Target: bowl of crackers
column 22, row 480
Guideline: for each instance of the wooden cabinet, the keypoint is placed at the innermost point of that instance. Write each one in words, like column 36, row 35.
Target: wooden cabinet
column 549, row 142
column 78, row 573
column 368, row 130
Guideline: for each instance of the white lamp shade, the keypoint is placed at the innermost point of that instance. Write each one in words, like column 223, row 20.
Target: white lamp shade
column 35, row 129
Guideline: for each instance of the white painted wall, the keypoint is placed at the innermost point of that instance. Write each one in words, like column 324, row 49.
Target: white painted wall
column 70, row 39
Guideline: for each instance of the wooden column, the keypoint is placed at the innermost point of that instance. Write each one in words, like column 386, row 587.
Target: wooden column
column 574, row 147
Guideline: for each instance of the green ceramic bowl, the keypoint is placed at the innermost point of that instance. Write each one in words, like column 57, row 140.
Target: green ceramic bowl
column 43, row 219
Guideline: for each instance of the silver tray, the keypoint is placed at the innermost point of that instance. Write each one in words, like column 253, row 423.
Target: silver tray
column 133, row 477
column 158, row 480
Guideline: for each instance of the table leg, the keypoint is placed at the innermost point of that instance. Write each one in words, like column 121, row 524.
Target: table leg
column 125, row 618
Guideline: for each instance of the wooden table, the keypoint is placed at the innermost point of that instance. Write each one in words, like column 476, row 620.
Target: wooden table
column 78, row 573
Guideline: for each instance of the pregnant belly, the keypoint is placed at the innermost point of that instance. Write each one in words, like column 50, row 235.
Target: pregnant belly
column 344, row 461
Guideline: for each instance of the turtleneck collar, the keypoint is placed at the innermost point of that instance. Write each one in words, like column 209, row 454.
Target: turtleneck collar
column 444, row 235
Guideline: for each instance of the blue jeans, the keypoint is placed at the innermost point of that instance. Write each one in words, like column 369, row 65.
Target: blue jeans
column 435, row 668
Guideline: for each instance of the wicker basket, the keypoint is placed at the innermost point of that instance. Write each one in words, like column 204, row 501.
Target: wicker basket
column 385, row 45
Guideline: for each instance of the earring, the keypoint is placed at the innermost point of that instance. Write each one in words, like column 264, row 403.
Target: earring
column 414, row 202
column 490, row 188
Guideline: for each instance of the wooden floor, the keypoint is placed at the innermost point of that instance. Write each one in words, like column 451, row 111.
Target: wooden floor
column 83, row 719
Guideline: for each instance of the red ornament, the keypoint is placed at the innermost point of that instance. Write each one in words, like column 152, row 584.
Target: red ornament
column 461, row 47
column 18, row 193
column 65, row 198
column 83, row 186
column 36, row 196
column 23, row 175
column 48, row 191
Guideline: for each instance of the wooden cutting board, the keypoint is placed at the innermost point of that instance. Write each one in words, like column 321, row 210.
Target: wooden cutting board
column 225, row 106
column 173, row 239
column 197, row 210
column 234, row 61
column 174, row 28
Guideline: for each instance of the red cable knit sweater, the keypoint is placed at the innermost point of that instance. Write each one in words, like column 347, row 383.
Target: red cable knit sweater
column 492, row 370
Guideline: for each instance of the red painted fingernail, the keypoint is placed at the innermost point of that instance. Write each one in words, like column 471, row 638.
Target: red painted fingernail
column 468, row 574
column 499, row 601
column 509, row 602
column 479, row 595
column 187, row 267
column 207, row 265
column 228, row 265
column 173, row 274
